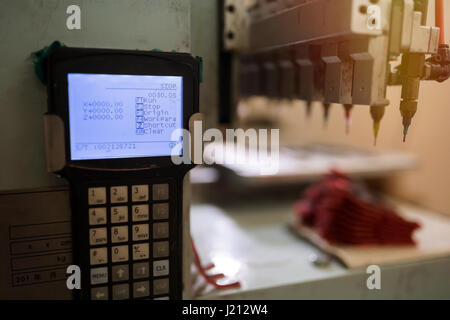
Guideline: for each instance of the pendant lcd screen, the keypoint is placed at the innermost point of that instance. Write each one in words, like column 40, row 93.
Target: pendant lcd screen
column 123, row 116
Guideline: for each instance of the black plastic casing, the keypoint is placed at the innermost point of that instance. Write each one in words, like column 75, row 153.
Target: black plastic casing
column 110, row 172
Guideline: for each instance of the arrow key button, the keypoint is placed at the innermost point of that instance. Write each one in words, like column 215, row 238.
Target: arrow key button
column 141, row 289
column 99, row 293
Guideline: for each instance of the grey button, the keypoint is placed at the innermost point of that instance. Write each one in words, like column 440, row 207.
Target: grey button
column 161, row 286
column 121, row 291
column 141, row 289
column 160, row 230
column 160, row 211
column 99, row 275
column 160, row 249
column 100, row 293
column 161, row 191
column 120, row 273
column 140, row 270
column 161, row 268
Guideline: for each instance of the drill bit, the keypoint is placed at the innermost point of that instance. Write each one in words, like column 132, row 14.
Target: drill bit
column 408, row 109
column 377, row 113
column 326, row 113
column 348, row 120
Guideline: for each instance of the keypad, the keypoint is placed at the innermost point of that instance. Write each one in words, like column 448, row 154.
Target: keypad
column 129, row 241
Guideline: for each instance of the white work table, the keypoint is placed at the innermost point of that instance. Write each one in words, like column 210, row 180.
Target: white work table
column 252, row 243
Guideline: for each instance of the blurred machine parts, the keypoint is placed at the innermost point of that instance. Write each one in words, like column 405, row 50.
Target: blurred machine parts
column 337, row 51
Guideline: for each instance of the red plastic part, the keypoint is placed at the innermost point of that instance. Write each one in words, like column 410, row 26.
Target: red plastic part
column 342, row 211
column 211, row 279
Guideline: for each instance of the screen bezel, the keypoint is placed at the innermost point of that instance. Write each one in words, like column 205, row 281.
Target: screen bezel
column 117, row 62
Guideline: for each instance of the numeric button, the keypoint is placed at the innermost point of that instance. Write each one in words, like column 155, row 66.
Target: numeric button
column 119, row 234
column 119, row 254
column 140, row 212
column 97, row 236
column 119, row 214
column 119, row 194
column 139, row 193
column 140, row 232
column 98, row 256
column 97, row 216
column 96, row 196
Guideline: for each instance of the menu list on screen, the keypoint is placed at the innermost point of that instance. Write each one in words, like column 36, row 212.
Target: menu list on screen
column 123, row 116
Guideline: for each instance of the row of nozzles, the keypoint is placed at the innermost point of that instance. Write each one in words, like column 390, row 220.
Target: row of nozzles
column 314, row 77
column 281, row 75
